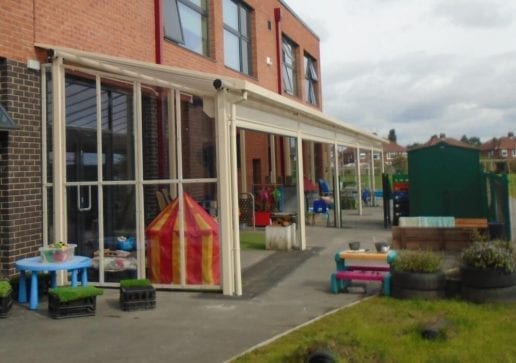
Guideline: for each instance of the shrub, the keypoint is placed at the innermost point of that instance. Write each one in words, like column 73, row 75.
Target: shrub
column 5, row 288
column 490, row 255
column 417, row 261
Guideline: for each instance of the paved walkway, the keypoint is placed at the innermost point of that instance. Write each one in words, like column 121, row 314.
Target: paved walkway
column 199, row 327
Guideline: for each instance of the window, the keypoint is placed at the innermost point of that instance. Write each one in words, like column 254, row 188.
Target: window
column 237, row 40
column 504, row 153
column 310, row 80
column 289, row 67
column 514, row 153
column 186, row 22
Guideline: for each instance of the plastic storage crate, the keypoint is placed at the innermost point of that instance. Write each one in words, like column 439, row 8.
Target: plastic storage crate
column 71, row 309
column 5, row 304
column 137, row 298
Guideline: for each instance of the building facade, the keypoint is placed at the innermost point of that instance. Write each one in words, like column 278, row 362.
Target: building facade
column 117, row 101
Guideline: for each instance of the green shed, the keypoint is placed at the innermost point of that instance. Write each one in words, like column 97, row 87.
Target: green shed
column 445, row 180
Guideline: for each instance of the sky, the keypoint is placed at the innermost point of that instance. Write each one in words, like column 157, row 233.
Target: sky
column 421, row 67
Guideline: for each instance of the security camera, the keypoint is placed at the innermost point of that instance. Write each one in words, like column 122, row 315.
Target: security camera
column 217, row 84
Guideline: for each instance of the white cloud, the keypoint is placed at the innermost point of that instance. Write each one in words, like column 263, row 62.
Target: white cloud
column 420, row 67
column 476, row 13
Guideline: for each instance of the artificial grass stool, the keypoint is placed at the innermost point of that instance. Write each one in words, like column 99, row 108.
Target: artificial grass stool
column 137, row 294
column 69, row 302
column 6, row 300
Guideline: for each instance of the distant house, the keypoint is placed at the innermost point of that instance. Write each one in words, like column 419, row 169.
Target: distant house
column 448, row 140
column 391, row 151
column 500, row 148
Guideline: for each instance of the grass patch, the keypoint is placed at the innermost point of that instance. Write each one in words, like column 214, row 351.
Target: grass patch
column 252, row 240
column 389, row 330
column 66, row 294
column 135, row 283
column 512, row 185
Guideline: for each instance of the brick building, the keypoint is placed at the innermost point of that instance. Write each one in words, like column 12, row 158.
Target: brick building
column 500, row 148
column 116, row 101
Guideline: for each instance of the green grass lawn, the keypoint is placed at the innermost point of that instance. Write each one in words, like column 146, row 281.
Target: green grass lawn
column 388, row 330
column 512, row 185
column 252, row 240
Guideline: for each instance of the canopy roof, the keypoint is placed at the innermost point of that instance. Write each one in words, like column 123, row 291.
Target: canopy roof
column 202, row 84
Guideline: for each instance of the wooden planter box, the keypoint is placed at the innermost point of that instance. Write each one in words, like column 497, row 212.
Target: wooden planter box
column 71, row 309
column 137, row 298
column 5, row 304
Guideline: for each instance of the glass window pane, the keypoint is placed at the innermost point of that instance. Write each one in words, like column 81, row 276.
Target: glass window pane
column 231, row 51
column 246, row 66
column 81, row 129
column 172, row 21
column 230, row 11
column 198, row 139
column 243, row 22
column 287, row 79
column 158, row 139
column 192, row 23
column 119, row 233
column 117, row 131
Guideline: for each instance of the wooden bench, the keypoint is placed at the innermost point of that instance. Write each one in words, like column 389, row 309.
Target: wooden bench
column 342, row 279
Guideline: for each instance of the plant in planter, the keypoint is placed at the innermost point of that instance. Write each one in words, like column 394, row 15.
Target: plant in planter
column 69, row 302
column 489, row 272
column 417, row 274
column 137, row 294
column 6, row 298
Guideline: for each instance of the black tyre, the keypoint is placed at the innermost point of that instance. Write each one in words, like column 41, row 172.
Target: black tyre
column 418, row 281
column 403, row 293
column 502, row 294
column 488, row 278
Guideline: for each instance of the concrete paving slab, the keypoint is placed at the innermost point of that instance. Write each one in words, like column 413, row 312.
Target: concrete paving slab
column 193, row 326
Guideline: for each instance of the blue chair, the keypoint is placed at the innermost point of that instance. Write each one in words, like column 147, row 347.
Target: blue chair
column 324, row 189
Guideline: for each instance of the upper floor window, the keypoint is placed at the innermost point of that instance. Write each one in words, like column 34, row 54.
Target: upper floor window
column 186, row 22
column 311, row 80
column 237, row 38
column 289, row 67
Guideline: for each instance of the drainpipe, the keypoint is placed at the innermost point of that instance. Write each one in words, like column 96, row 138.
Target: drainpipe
column 277, row 20
column 158, row 51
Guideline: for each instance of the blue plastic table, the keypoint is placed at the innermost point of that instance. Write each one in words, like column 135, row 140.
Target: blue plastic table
column 35, row 264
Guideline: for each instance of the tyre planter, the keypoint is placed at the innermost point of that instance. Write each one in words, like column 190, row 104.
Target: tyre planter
column 485, row 295
column 412, row 285
column 487, row 278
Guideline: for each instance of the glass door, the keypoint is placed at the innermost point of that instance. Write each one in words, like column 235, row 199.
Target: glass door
column 100, row 175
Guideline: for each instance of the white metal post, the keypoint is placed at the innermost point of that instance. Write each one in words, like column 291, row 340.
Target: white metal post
column 234, row 198
column 223, row 167
column 301, row 193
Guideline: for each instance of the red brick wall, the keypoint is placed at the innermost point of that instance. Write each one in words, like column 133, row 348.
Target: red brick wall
column 125, row 28
column 20, row 166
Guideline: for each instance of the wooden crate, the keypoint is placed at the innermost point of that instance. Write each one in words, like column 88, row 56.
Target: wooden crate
column 432, row 238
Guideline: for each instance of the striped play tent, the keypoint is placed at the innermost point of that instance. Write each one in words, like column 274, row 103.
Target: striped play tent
column 201, row 245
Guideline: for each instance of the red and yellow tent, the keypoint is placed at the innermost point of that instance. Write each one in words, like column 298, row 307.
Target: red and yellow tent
column 201, row 245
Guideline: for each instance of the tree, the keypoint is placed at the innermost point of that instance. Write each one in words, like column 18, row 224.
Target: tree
column 400, row 164
column 392, row 136
column 474, row 140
